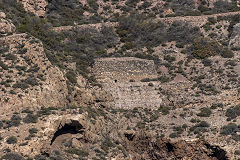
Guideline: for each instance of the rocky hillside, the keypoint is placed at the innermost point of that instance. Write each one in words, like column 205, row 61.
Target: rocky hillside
column 110, row 79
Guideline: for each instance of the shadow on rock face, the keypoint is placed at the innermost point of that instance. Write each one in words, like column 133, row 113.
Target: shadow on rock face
column 142, row 146
column 217, row 152
column 73, row 128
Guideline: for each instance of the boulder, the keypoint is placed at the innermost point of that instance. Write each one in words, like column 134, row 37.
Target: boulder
column 235, row 37
column 6, row 26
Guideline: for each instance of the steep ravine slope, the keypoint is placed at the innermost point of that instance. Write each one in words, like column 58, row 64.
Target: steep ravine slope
column 168, row 90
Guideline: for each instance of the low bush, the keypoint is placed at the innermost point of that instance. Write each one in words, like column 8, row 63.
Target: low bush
column 164, row 110
column 72, row 77
column 204, row 47
column 200, row 127
column 21, row 85
column 222, row 6
column 30, row 118
column 33, row 130
column 107, row 144
column 12, row 140
column 141, row 31
column 205, row 112
column 182, row 32
column 229, row 129
column 207, row 62
column 12, row 156
column 3, row 65
column 233, row 112
column 15, row 121
column 145, row 80
column 174, row 135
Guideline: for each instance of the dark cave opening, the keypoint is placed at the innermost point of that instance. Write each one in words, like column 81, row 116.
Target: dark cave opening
column 217, row 152
column 73, row 128
column 170, row 147
column 130, row 137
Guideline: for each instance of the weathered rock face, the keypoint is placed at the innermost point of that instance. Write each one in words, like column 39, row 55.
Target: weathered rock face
column 134, row 94
column 38, row 7
column 29, row 78
column 69, row 126
column 51, row 131
column 6, row 26
column 142, row 146
column 235, row 37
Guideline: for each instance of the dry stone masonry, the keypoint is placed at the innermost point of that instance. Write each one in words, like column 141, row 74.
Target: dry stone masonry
column 124, row 69
column 121, row 77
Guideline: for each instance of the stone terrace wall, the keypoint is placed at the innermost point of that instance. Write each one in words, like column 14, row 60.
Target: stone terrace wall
column 115, row 74
column 123, row 69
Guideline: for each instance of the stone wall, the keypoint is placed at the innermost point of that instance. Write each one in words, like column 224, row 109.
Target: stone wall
column 123, row 69
column 115, row 74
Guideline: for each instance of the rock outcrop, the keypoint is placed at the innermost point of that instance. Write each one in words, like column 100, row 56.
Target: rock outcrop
column 6, row 27
column 235, row 37
column 26, row 69
column 38, row 7
column 142, row 146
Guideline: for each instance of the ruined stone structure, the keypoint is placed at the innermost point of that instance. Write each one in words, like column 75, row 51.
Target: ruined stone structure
column 124, row 69
column 121, row 77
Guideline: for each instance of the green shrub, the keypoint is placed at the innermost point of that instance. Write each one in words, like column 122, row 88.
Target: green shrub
column 164, row 110
column 205, row 112
column 21, row 85
column 32, row 81
column 33, row 130
column 200, row 127
column 12, row 140
column 72, row 77
column 233, row 112
column 182, row 32
column 169, row 58
column 66, row 12
column 205, row 47
column 30, row 118
column 224, row 6
column 4, row 66
column 183, row 7
column 237, row 152
column 93, row 4
column 212, row 20
column 229, row 129
column 107, row 144
column 132, row 3
column 22, row 51
column 15, row 121
column 10, row 57
column 141, row 31
column 12, row 156
column 174, row 135
column 163, row 79
column 145, row 80
column 4, row 49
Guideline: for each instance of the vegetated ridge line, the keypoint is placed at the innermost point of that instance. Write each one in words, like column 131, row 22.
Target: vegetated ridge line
column 200, row 18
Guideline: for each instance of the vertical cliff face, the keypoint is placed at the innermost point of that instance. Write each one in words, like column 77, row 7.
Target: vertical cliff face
column 28, row 79
column 6, row 26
